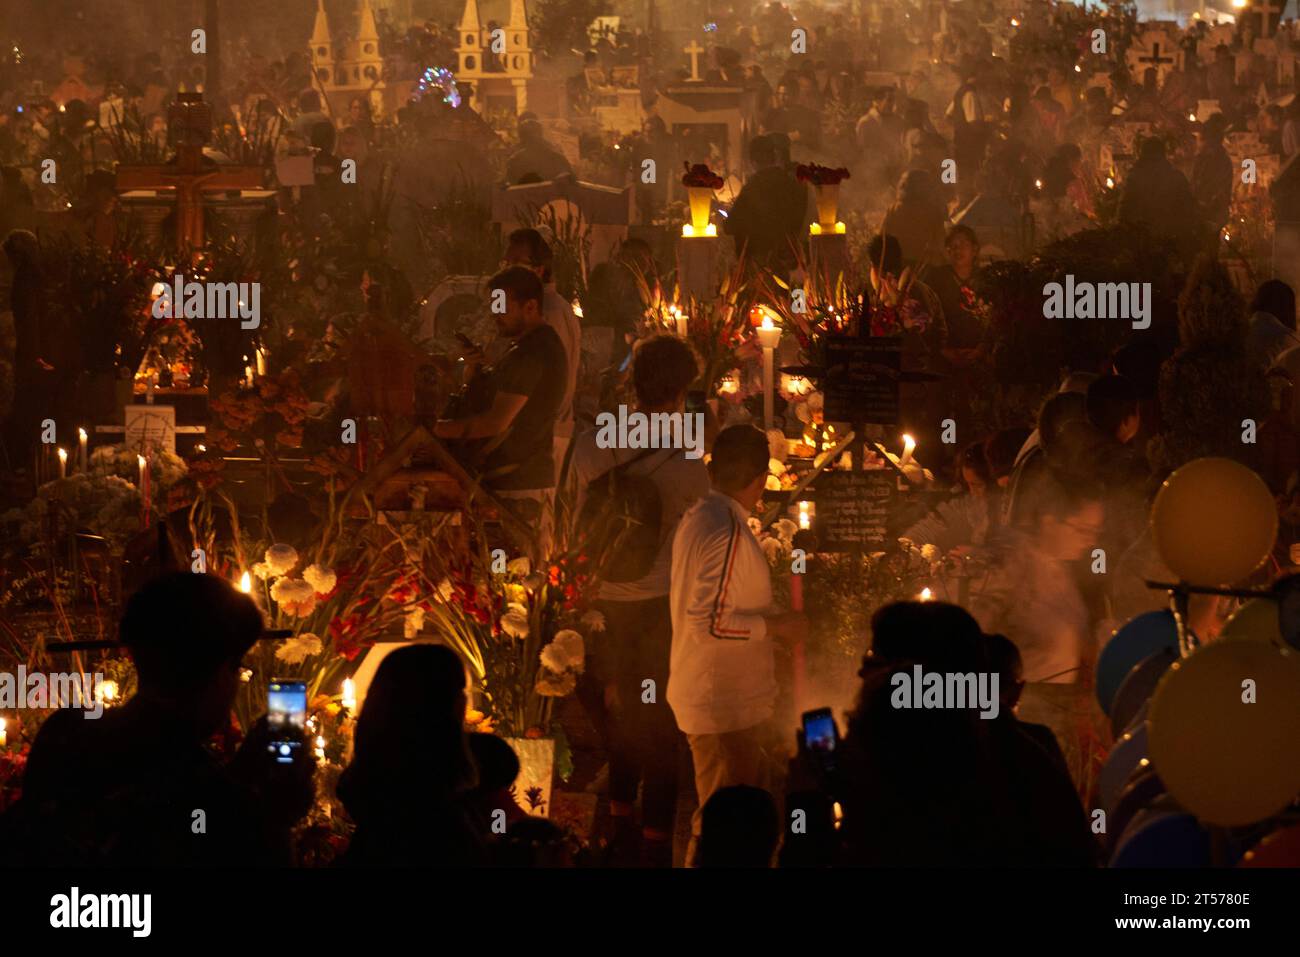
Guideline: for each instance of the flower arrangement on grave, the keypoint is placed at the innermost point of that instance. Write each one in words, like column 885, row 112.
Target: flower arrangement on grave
column 825, row 181
column 716, row 328
column 701, row 183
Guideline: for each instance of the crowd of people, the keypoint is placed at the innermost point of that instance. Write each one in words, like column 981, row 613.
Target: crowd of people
column 972, row 148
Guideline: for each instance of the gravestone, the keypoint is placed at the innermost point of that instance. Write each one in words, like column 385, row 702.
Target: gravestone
column 1154, row 49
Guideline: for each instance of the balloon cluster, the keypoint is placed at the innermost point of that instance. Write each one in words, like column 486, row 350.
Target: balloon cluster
column 1207, row 749
column 442, row 80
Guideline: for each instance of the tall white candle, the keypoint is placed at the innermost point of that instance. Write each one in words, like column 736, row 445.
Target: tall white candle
column 63, row 463
column 83, row 455
column 768, row 337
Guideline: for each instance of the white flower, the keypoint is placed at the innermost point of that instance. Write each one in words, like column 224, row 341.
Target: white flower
column 565, row 651
column 320, row 578
column 775, row 467
column 755, row 525
column 445, row 589
column 555, row 686
column 519, row 567
column 784, row 530
column 773, row 484
column 593, row 621
column 298, row 649
column 281, row 559
column 777, row 446
column 772, row 549
column 515, row 621
column 413, row 623
column 294, row 596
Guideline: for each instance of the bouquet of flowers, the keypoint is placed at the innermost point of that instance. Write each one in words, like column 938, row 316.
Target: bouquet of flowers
column 820, row 175
column 700, row 176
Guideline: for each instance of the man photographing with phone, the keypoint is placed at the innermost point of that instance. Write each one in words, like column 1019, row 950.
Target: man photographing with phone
column 127, row 790
column 722, row 672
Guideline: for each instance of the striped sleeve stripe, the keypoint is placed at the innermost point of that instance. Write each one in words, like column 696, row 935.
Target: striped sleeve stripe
column 724, row 583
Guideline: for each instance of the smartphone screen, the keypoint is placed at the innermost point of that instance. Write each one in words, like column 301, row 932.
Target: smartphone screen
column 819, row 732
column 286, row 718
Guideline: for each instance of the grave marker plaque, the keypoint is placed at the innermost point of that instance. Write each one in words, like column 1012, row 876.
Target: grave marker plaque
column 862, row 380
column 853, row 509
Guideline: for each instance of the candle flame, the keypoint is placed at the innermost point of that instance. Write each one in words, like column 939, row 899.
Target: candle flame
column 349, row 697
column 63, row 456
column 926, row 595
column 81, row 434
column 909, row 443
column 245, row 583
column 767, row 322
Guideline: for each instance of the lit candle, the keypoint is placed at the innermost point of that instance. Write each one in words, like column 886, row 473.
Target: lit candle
column 261, row 361
column 106, row 692
column 3, row 734
column 63, row 463
column 140, row 464
column 349, row 697
column 83, row 455
column 769, row 336
column 926, row 595
column 909, row 446
column 245, row 583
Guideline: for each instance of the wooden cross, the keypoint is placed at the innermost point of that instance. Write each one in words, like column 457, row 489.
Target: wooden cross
column 694, row 50
column 1266, row 9
column 189, row 176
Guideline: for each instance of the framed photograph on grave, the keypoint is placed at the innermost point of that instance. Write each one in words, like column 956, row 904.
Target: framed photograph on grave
column 151, row 427
column 861, row 381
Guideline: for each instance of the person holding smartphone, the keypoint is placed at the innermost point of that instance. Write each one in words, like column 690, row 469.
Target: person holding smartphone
column 125, row 790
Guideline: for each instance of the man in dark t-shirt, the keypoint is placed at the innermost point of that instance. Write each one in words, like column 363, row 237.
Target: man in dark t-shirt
column 526, row 387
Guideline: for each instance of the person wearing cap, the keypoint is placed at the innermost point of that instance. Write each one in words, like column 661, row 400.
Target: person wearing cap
column 138, row 786
column 1212, row 172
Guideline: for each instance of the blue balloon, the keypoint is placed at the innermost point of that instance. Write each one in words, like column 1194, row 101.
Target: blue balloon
column 1138, row 687
column 1119, row 766
column 1163, row 839
column 1141, row 638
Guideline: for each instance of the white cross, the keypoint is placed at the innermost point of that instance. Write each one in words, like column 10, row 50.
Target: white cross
column 694, row 50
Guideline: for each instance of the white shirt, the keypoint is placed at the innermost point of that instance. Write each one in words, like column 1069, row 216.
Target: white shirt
column 559, row 315
column 721, row 674
column 681, row 482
